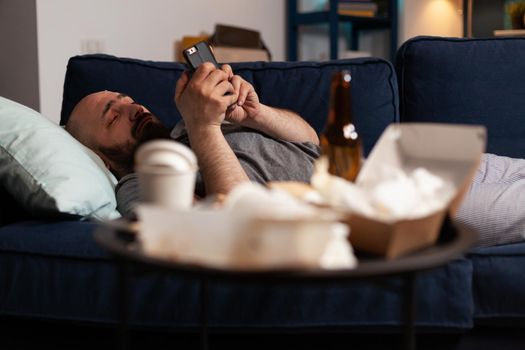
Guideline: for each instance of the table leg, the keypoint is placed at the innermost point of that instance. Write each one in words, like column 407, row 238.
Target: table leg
column 409, row 306
column 204, row 313
column 122, row 296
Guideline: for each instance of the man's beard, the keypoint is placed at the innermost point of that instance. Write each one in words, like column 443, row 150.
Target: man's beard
column 122, row 156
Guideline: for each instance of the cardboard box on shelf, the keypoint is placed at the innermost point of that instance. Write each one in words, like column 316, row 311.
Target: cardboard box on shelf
column 235, row 44
column 355, row 54
column 452, row 152
column 229, row 44
column 225, row 54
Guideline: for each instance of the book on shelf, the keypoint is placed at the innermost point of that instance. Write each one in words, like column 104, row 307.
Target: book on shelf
column 509, row 32
column 358, row 8
column 356, row 13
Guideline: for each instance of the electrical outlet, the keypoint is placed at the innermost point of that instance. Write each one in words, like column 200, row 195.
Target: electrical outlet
column 90, row 46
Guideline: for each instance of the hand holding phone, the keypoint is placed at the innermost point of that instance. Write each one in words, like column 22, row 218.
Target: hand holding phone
column 198, row 54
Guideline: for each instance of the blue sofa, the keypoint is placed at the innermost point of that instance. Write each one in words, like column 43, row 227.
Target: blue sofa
column 53, row 270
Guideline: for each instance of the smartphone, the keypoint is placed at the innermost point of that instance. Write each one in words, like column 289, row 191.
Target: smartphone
column 198, row 54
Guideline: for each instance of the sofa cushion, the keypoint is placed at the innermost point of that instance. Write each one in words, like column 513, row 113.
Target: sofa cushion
column 472, row 81
column 50, row 270
column 47, row 171
column 498, row 283
column 55, row 270
column 300, row 86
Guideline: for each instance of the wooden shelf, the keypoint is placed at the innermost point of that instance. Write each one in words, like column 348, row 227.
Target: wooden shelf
column 319, row 17
column 333, row 18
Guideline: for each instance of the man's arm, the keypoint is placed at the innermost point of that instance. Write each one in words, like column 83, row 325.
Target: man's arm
column 219, row 166
column 202, row 102
column 277, row 123
column 282, row 124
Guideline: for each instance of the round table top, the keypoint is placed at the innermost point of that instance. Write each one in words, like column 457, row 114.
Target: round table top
column 453, row 241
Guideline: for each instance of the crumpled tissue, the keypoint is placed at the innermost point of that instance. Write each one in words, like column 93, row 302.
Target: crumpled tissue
column 394, row 194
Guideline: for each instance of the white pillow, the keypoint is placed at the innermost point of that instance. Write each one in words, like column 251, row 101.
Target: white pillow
column 47, row 171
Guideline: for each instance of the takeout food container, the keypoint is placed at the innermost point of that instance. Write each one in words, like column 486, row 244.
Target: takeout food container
column 452, row 152
column 222, row 239
column 280, row 243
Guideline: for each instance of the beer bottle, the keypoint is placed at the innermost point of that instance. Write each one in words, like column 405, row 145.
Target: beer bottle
column 339, row 140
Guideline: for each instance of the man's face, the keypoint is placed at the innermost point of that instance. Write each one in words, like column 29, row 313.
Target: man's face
column 114, row 125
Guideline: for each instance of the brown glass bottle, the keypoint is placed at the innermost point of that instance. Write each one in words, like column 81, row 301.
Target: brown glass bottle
column 340, row 141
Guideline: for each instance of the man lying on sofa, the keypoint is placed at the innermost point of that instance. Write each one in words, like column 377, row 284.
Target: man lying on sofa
column 261, row 144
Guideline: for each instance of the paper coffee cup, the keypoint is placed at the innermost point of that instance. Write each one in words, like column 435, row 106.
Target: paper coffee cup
column 166, row 172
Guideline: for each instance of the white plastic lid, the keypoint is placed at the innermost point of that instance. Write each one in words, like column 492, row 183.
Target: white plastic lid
column 165, row 154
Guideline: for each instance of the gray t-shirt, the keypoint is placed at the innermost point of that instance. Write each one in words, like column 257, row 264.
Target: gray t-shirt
column 263, row 159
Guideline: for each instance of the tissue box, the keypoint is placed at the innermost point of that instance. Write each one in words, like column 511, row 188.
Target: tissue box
column 451, row 152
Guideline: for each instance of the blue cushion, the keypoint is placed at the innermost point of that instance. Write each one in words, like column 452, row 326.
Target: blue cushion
column 50, row 270
column 65, row 239
column 300, row 86
column 55, row 270
column 498, row 283
column 473, row 81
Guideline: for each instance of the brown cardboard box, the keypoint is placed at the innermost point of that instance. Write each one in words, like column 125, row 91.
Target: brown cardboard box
column 229, row 44
column 226, row 54
column 235, row 44
column 394, row 239
column 451, row 152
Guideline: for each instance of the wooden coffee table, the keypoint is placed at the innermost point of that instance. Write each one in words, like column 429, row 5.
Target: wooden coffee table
column 120, row 241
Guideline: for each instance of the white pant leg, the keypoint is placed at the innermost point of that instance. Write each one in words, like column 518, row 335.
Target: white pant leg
column 494, row 206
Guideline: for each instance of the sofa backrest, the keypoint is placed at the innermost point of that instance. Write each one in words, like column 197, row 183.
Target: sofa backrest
column 472, row 81
column 299, row 86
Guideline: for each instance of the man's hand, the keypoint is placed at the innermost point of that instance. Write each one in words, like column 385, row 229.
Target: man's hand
column 278, row 123
column 203, row 100
column 247, row 107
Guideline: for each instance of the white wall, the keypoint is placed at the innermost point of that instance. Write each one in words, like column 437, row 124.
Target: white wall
column 148, row 29
column 430, row 17
column 145, row 29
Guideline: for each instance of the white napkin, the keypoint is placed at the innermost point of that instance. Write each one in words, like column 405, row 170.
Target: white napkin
column 392, row 196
